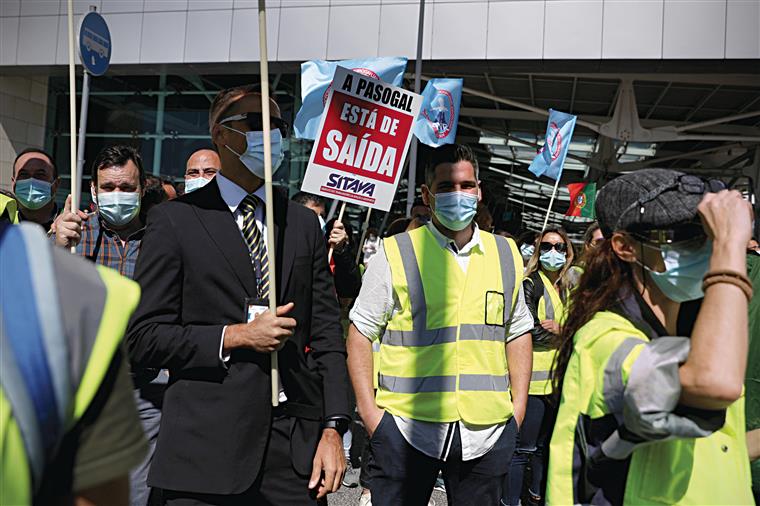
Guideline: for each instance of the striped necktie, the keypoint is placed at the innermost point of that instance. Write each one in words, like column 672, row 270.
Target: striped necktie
column 256, row 244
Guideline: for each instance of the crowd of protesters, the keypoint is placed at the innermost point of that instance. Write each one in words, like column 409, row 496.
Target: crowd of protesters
column 433, row 351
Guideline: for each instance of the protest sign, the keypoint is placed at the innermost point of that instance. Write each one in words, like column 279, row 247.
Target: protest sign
column 362, row 141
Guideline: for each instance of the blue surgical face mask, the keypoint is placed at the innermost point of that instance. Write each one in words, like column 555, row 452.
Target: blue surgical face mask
column 33, row 193
column 527, row 250
column 193, row 184
column 253, row 158
column 684, row 270
column 455, row 210
column 118, row 208
column 552, row 260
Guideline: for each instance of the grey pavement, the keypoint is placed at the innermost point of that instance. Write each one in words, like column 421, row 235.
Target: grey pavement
column 350, row 497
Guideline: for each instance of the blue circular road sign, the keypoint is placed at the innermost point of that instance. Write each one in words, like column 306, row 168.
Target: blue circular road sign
column 95, row 44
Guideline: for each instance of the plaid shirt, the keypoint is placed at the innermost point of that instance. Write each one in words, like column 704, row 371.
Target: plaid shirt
column 103, row 246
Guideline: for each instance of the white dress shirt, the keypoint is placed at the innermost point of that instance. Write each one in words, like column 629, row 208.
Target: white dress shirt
column 372, row 311
column 233, row 195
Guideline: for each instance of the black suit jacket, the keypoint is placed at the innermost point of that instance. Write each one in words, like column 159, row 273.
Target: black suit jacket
column 195, row 273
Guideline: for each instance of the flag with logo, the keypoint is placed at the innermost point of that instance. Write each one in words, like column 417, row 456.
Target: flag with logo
column 317, row 75
column 551, row 157
column 437, row 122
column 582, row 199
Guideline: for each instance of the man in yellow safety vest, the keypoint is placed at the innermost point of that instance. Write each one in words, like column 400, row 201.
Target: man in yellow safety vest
column 445, row 303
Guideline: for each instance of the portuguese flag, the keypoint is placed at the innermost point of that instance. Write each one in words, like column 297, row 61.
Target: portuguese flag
column 582, row 197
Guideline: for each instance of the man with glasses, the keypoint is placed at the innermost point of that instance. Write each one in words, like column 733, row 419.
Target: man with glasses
column 201, row 168
column 204, row 272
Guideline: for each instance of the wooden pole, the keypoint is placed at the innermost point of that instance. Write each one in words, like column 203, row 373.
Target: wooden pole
column 365, row 227
column 271, row 247
column 340, row 218
column 551, row 202
column 72, row 117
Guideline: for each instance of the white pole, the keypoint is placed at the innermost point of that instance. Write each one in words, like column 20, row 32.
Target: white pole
column 340, row 218
column 72, row 116
column 551, row 202
column 412, row 174
column 271, row 248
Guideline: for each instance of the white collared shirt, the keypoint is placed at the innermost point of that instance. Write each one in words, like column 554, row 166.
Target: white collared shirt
column 376, row 305
column 233, row 195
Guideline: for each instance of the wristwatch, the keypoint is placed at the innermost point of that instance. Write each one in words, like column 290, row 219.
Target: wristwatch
column 339, row 424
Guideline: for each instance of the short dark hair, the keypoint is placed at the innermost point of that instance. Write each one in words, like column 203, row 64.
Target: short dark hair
column 448, row 153
column 225, row 98
column 117, row 156
column 40, row 151
column 305, row 198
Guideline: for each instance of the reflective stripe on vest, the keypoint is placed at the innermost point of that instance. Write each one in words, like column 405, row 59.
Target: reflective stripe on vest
column 59, row 348
column 35, row 371
column 550, row 307
column 470, row 382
column 442, row 354
column 705, row 470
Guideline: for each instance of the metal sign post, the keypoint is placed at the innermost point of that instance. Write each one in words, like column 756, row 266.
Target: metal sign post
column 95, row 52
column 412, row 174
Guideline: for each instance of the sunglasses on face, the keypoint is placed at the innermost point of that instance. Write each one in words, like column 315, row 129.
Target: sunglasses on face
column 545, row 247
column 683, row 234
column 255, row 123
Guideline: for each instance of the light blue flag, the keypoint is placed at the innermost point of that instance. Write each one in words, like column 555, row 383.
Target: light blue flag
column 437, row 122
column 551, row 158
column 316, row 76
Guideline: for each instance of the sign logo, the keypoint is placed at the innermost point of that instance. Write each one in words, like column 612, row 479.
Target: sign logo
column 347, row 186
column 441, row 114
column 360, row 70
column 553, row 141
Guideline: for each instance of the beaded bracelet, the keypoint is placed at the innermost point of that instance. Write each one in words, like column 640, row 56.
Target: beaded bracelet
column 731, row 277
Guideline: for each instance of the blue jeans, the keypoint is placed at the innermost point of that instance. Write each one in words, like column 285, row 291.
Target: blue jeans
column 149, row 399
column 531, row 443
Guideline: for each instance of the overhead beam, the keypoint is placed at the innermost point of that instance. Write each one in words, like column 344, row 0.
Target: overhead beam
column 701, row 103
column 751, row 80
column 659, row 99
column 572, row 94
column 475, row 112
column 532, row 94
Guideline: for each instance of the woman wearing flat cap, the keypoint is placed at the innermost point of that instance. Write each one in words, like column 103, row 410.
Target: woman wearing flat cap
column 651, row 408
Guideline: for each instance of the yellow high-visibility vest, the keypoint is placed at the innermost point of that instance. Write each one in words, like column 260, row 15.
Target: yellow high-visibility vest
column 550, row 307
column 102, row 306
column 698, row 471
column 442, row 357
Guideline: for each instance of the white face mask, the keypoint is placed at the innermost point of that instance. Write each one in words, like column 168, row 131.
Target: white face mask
column 253, row 157
column 118, row 208
column 193, row 184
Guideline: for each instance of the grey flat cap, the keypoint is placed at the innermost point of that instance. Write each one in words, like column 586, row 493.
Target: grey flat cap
column 651, row 199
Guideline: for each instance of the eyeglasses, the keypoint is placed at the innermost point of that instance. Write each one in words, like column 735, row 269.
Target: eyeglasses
column 256, row 123
column 546, row 247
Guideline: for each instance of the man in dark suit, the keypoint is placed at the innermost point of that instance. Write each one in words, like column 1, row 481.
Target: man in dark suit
column 203, row 260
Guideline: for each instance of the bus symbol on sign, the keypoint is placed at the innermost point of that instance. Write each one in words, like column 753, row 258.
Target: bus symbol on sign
column 95, row 44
